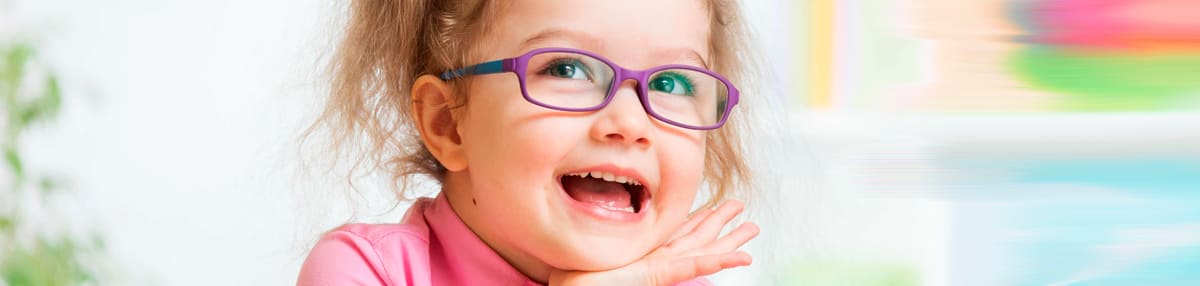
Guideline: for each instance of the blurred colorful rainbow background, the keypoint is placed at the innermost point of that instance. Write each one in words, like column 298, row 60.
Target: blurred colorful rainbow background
column 1016, row 142
column 1012, row 55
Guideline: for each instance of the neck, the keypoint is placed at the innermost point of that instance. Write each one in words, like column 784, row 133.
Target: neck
column 457, row 188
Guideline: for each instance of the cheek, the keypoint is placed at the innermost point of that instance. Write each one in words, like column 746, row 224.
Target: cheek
column 507, row 145
column 682, row 160
column 685, row 151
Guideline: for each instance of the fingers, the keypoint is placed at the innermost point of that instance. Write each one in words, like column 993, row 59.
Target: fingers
column 731, row 241
column 697, row 249
column 709, row 228
column 688, row 268
column 691, row 223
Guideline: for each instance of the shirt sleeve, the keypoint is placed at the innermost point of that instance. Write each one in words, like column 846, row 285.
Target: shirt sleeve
column 342, row 258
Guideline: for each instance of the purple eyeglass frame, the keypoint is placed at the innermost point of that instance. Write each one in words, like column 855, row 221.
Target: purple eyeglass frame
column 518, row 66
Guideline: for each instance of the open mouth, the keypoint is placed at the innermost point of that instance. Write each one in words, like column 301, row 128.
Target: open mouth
column 606, row 190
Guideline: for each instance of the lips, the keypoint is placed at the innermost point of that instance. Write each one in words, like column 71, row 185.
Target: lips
column 611, row 192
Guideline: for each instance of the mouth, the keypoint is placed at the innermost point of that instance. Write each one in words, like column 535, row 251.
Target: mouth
column 606, row 190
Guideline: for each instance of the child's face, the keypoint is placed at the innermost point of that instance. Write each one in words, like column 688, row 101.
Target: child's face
column 519, row 154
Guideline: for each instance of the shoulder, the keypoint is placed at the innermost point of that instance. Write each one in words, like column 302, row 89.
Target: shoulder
column 376, row 233
column 368, row 254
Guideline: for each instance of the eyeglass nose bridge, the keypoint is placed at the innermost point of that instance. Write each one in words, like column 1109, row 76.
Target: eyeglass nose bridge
column 639, row 77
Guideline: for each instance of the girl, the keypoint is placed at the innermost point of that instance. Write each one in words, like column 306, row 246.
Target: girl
column 570, row 140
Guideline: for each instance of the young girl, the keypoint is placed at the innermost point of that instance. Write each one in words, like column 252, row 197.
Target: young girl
column 570, row 140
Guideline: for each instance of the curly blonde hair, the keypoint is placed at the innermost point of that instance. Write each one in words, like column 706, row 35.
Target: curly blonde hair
column 387, row 44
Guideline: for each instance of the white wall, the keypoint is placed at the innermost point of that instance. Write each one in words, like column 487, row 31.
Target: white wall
column 175, row 128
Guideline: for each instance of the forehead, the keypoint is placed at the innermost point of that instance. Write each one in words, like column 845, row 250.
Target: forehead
column 637, row 34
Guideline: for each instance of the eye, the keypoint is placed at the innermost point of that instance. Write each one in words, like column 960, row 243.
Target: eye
column 567, row 68
column 672, row 83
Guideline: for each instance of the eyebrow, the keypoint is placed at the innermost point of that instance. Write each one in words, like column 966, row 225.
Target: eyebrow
column 682, row 54
column 583, row 40
column 588, row 42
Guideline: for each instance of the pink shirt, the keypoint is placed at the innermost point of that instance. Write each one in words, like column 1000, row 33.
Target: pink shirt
column 431, row 246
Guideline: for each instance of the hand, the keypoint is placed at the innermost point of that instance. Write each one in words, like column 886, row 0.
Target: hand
column 694, row 251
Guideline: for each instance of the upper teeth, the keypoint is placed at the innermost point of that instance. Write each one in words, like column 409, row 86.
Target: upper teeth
column 607, row 177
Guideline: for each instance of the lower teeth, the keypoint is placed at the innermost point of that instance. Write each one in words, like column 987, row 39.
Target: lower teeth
column 613, row 208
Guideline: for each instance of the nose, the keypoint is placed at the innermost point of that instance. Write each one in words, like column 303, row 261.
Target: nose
column 624, row 120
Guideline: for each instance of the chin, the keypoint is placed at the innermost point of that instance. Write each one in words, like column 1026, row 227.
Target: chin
column 598, row 254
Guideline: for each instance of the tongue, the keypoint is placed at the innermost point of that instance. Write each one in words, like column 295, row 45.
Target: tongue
column 596, row 191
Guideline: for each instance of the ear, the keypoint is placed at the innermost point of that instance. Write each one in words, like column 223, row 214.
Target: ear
column 431, row 101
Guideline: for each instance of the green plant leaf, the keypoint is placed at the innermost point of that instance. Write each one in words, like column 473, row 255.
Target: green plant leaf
column 43, row 107
column 14, row 162
column 46, row 106
column 50, row 261
column 49, row 185
column 14, row 63
column 57, row 259
column 52, row 97
column 6, row 225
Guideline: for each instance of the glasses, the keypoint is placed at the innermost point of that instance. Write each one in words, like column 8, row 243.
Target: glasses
column 580, row 81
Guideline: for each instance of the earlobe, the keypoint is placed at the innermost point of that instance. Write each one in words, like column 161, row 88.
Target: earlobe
column 431, row 101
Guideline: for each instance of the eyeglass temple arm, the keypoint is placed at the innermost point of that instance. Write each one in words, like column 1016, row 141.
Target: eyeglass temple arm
column 496, row 66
